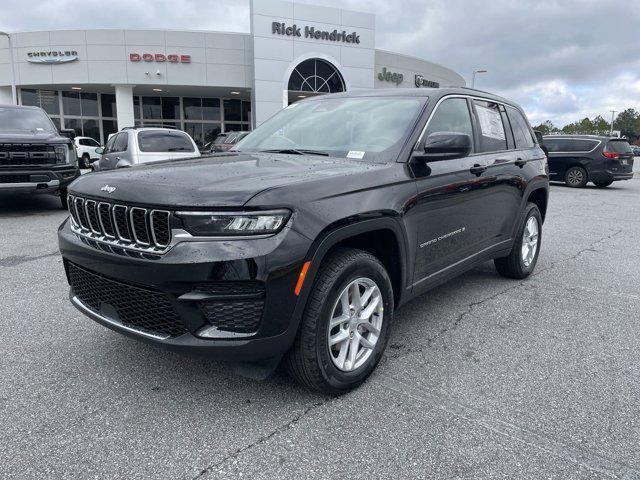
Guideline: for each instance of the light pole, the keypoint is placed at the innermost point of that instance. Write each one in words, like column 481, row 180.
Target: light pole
column 473, row 76
column 613, row 112
column 14, row 96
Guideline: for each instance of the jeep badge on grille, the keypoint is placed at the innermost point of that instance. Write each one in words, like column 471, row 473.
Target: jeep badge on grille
column 108, row 189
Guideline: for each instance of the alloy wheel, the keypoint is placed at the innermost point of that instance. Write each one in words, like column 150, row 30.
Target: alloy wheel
column 575, row 177
column 355, row 325
column 530, row 241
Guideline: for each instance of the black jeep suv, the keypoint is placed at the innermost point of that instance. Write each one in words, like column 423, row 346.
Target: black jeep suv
column 34, row 157
column 304, row 239
column 579, row 159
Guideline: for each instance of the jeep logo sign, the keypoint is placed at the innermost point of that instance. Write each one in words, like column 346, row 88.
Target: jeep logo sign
column 387, row 76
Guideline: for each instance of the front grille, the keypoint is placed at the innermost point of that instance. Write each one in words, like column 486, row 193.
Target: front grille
column 138, row 308
column 27, row 154
column 14, row 178
column 233, row 306
column 127, row 227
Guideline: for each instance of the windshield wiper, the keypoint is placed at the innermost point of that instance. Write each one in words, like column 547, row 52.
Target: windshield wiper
column 296, row 151
column 178, row 149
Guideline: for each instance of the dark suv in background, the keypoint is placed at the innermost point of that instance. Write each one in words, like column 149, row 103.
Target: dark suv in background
column 303, row 240
column 579, row 159
column 34, row 156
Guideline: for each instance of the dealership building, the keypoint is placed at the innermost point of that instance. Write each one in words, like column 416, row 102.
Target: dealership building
column 100, row 81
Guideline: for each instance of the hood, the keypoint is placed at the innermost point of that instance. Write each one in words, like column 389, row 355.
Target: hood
column 31, row 137
column 228, row 180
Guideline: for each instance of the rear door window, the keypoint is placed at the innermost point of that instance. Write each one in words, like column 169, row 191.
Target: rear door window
column 492, row 134
column 569, row 145
column 163, row 141
column 520, row 128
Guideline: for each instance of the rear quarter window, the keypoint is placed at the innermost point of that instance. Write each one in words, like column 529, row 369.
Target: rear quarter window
column 161, row 141
column 618, row 146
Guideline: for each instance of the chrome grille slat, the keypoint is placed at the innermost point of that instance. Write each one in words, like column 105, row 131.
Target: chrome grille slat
column 160, row 228
column 82, row 214
column 92, row 216
column 121, row 223
column 139, row 225
column 106, row 220
column 133, row 228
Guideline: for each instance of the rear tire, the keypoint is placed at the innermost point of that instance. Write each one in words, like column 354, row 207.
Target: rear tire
column 576, row 177
column 316, row 358
column 522, row 260
column 603, row 184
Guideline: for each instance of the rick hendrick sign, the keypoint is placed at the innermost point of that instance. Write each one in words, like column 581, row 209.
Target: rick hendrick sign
column 278, row 28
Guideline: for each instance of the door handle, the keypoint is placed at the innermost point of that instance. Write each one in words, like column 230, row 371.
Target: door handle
column 477, row 169
column 520, row 162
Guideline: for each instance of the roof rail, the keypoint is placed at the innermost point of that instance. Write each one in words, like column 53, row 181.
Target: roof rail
column 151, row 125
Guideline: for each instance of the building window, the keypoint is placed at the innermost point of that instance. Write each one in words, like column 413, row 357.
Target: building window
column 45, row 99
column 316, row 75
column 108, row 102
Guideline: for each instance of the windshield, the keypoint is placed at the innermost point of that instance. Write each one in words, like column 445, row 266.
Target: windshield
column 25, row 120
column 357, row 127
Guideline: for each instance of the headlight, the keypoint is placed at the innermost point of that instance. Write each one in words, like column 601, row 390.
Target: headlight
column 214, row 224
column 65, row 155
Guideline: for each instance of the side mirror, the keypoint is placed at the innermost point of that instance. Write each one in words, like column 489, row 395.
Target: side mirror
column 100, row 150
column 539, row 137
column 446, row 146
column 68, row 132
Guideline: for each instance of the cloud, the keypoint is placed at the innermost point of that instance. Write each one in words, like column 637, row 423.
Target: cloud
column 562, row 60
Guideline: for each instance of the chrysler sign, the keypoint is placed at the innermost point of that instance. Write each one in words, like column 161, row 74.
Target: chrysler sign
column 52, row 57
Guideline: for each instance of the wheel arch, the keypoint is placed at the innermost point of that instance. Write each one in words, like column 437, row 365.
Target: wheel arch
column 389, row 245
column 540, row 196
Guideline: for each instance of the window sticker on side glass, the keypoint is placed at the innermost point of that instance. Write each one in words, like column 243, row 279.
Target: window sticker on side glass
column 355, row 154
column 490, row 122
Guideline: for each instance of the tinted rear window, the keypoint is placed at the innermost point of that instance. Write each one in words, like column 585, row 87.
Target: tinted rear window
column 569, row 144
column 619, row 146
column 159, row 141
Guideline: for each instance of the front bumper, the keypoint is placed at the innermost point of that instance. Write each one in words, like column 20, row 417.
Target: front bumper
column 178, row 277
column 37, row 181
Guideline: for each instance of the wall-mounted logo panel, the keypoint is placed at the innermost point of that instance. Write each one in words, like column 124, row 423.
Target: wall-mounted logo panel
column 52, row 57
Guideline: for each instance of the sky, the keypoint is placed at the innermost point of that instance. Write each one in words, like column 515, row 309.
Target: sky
column 561, row 60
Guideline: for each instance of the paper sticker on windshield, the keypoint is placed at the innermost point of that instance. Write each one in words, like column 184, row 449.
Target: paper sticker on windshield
column 490, row 123
column 355, row 154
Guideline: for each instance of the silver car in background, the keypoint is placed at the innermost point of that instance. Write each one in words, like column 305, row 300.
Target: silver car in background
column 136, row 145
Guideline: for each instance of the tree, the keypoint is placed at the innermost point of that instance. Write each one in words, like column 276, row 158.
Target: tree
column 600, row 126
column 626, row 122
column 546, row 128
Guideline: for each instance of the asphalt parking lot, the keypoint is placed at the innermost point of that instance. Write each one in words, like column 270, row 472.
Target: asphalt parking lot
column 483, row 378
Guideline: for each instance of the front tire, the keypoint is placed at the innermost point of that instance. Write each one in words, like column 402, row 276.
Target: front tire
column 346, row 323
column 524, row 255
column 576, row 177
